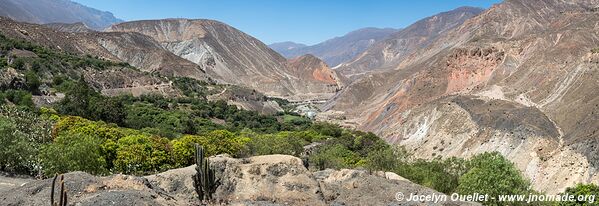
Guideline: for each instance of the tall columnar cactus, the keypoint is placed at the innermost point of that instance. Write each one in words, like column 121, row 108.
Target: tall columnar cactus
column 204, row 179
column 63, row 192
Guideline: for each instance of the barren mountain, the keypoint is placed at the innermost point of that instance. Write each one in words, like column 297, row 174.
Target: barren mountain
column 231, row 56
column 337, row 50
column 136, row 49
column 283, row 47
column 386, row 54
column 73, row 28
column 520, row 78
column 56, row 11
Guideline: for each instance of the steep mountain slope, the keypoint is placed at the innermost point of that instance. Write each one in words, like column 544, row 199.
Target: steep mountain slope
column 73, row 28
column 56, row 11
column 230, row 56
column 519, row 79
column 337, row 50
column 386, row 54
column 136, row 49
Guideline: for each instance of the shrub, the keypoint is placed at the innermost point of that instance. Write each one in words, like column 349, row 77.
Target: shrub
column 32, row 81
column 141, row 154
column 582, row 190
column 595, row 50
column 223, row 142
column 101, row 130
column 19, row 98
column 183, row 149
column 289, row 143
column 73, row 152
column 385, row 159
column 21, row 135
column 492, row 174
column 3, row 62
column 334, row 157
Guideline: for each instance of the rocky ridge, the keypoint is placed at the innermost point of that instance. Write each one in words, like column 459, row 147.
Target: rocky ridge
column 259, row 180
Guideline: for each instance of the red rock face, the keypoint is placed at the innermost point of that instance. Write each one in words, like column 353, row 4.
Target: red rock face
column 311, row 68
column 471, row 68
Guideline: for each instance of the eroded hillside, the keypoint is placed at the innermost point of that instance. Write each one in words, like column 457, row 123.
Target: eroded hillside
column 520, row 78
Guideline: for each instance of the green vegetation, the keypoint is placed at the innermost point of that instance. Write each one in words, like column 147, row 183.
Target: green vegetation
column 73, row 152
column 595, row 50
column 492, row 174
column 22, row 134
column 582, row 190
column 192, row 87
column 19, row 98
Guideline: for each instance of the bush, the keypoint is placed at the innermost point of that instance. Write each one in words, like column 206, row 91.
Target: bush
column 334, row 157
column 141, row 154
column 223, row 142
column 581, row 190
column 595, row 50
column 3, row 62
column 73, row 152
column 289, row 143
column 21, row 135
column 32, row 81
column 435, row 174
column 385, row 159
column 19, row 98
column 184, row 150
column 17, row 155
column 492, row 174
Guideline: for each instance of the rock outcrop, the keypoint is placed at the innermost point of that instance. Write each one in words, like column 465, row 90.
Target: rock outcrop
column 260, row 180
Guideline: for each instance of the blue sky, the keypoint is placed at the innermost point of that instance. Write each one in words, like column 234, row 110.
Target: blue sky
column 302, row 21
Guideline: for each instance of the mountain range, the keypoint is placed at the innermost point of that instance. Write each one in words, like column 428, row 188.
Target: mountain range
column 336, row 50
column 56, row 11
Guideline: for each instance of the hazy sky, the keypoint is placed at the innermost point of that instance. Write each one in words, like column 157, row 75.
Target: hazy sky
column 302, row 21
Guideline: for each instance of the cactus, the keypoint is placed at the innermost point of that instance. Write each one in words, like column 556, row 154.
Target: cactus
column 63, row 192
column 204, row 179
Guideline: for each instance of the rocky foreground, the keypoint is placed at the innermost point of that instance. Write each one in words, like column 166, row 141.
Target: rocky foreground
column 260, row 180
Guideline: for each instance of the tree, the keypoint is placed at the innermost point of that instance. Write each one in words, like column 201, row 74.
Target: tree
column 21, row 135
column 73, row 152
column 16, row 153
column 492, row 174
column 107, row 109
column 77, row 100
column 32, row 81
